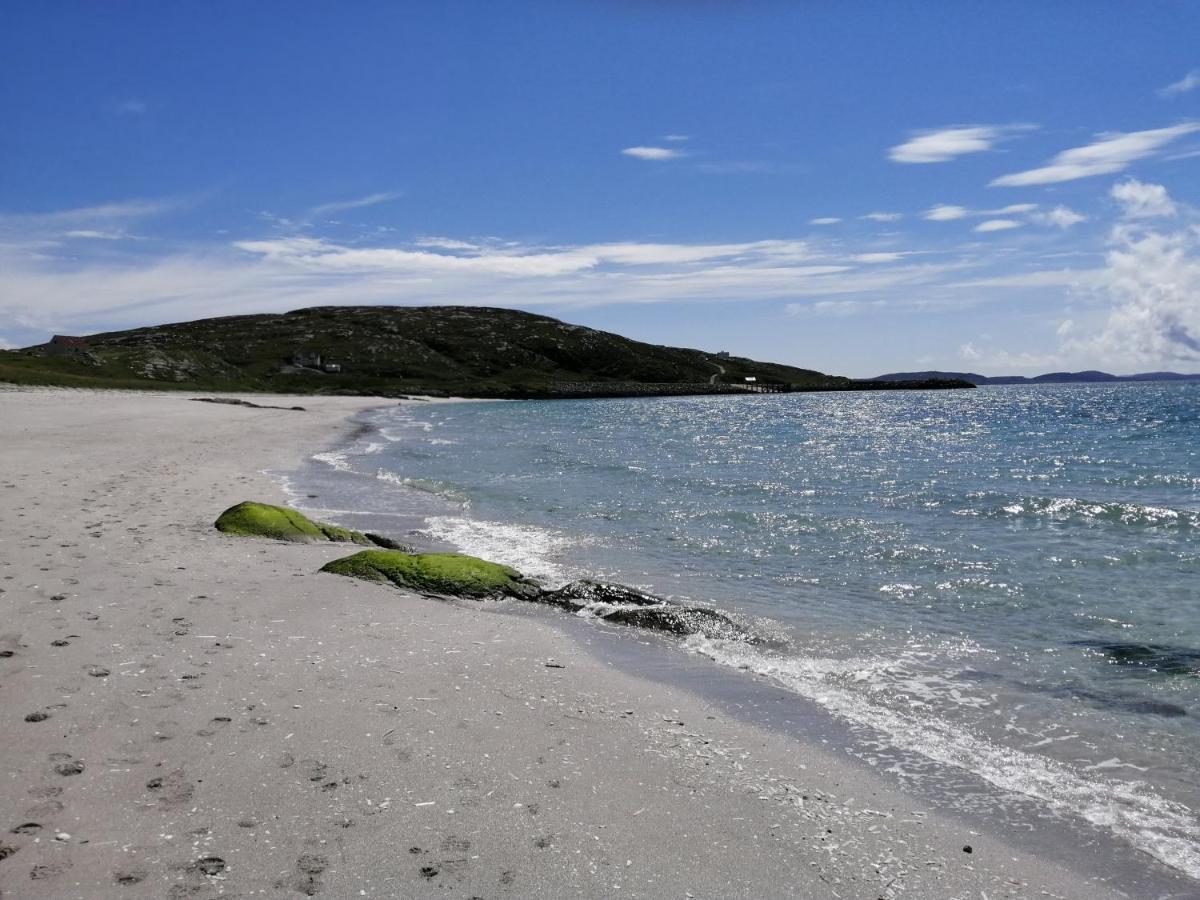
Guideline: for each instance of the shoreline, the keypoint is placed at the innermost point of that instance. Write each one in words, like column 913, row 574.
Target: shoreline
column 260, row 727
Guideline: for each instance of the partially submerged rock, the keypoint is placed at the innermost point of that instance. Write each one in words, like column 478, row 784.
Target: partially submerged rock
column 445, row 574
column 387, row 543
column 282, row 523
column 628, row 606
column 579, row 594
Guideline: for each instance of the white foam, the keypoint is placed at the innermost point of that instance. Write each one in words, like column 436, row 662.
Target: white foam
column 338, row 459
column 528, row 548
column 1166, row 830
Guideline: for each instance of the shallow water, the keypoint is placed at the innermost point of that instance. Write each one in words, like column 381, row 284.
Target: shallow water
column 1003, row 580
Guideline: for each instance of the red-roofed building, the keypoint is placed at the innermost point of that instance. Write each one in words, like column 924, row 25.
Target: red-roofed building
column 62, row 345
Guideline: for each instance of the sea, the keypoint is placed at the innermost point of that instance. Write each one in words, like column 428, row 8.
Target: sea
column 1000, row 585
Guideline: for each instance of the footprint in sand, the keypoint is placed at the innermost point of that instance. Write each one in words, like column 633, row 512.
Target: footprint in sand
column 98, row 671
column 27, row 828
column 65, row 764
column 308, row 867
column 171, row 789
column 129, row 876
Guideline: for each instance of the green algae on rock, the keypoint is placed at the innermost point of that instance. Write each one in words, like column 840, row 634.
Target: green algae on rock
column 447, row 574
column 282, row 523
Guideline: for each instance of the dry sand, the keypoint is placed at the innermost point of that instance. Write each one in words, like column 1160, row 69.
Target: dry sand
column 219, row 719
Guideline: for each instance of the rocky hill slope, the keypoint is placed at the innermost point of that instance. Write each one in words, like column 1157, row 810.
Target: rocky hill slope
column 439, row 350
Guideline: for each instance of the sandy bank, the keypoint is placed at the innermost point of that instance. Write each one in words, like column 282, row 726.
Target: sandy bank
column 216, row 718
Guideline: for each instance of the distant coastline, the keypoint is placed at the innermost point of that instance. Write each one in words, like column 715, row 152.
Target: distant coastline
column 1087, row 377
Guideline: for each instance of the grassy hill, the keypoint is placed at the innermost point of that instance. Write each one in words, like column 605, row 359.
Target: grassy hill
column 439, row 350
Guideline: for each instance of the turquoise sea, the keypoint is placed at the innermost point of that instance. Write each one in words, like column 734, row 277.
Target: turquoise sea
column 1003, row 582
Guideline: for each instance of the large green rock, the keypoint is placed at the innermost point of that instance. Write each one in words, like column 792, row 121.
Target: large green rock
column 446, row 574
column 282, row 523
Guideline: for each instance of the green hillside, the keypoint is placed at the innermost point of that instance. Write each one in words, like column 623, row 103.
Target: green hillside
column 439, row 350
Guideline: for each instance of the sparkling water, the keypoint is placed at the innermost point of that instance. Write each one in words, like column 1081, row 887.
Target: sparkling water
column 1004, row 581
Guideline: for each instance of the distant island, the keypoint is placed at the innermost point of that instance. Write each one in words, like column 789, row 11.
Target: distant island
column 1088, row 377
column 400, row 350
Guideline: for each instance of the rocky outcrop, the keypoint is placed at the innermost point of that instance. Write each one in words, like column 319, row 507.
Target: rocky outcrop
column 443, row 574
column 250, row 519
column 624, row 605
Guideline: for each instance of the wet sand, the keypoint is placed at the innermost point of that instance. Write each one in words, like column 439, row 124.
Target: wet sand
column 191, row 715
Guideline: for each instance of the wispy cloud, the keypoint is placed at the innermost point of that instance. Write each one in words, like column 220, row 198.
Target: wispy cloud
column 883, row 216
column 945, row 144
column 91, row 234
column 657, row 154
column 132, row 107
column 1108, row 154
column 997, row 225
column 1139, row 200
column 824, row 220
column 121, row 211
column 1188, row 82
column 1059, row 217
column 337, row 206
column 675, row 138
column 947, row 213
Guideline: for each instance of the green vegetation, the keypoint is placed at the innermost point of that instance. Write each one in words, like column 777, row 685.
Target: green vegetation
column 389, row 351
column 448, row 574
column 284, row 524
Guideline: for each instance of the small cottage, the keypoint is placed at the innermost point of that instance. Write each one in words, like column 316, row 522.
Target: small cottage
column 306, row 359
column 65, row 345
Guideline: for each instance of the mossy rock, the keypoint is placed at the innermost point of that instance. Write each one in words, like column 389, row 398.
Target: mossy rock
column 282, row 523
column 446, row 574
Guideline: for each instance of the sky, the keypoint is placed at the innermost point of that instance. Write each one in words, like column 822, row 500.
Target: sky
column 856, row 187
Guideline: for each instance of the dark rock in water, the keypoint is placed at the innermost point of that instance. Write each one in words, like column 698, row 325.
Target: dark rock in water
column 641, row 610
column 578, row 594
column 388, row 544
column 1157, row 659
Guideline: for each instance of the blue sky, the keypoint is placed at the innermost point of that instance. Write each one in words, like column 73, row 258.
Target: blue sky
column 854, row 187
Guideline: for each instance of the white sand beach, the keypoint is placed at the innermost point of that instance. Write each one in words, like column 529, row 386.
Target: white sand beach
column 191, row 715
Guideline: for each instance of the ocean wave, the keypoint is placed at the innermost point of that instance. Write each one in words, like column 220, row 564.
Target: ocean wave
column 1074, row 509
column 424, row 485
column 338, row 459
column 532, row 550
column 1165, row 830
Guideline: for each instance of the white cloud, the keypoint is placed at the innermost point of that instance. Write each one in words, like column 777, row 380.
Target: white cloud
column 675, row 138
column 883, row 216
column 945, row 213
column 1140, row 200
column 881, row 257
column 1110, row 153
column 337, row 206
column 1059, row 217
column 1152, row 280
column 946, row 144
column 653, row 153
column 838, row 308
column 91, row 234
column 1012, row 210
column 121, row 211
column 997, row 225
column 824, row 220
column 1004, row 361
column 1188, row 82
column 132, row 107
